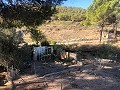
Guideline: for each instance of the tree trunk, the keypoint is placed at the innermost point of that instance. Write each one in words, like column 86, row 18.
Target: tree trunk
column 115, row 31
column 101, row 35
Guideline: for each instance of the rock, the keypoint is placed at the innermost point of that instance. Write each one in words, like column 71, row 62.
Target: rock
column 79, row 63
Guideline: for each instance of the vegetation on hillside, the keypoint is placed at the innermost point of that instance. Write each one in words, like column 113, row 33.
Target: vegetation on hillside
column 98, row 11
column 69, row 14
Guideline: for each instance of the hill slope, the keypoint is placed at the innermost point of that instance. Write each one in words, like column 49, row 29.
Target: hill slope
column 61, row 31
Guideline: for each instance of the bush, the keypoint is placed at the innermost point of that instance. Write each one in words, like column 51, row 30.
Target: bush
column 10, row 51
column 45, row 43
column 101, row 51
column 87, row 23
column 52, row 42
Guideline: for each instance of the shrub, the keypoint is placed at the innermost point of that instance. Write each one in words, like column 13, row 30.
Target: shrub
column 87, row 23
column 52, row 42
column 45, row 43
column 10, row 51
column 100, row 51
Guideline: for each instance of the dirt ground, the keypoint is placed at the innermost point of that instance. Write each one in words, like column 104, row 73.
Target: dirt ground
column 87, row 77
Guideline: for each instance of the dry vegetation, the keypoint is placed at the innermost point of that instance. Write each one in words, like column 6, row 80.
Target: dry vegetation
column 62, row 31
column 65, row 31
column 68, row 30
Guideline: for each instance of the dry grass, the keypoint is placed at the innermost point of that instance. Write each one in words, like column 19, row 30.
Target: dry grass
column 65, row 31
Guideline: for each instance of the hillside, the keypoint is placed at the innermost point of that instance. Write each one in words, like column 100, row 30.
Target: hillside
column 68, row 31
column 69, row 14
column 60, row 31
column 70, row 24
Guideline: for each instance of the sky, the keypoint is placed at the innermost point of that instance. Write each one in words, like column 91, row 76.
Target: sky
column 77, row 3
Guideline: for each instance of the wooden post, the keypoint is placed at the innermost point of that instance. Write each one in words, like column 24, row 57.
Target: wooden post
column 102, row 26
column 107, row 37
column 34, row 68
column 12, row 75
column 34, row 60
column 115, row 31
column 101, row 31
column 61, row 86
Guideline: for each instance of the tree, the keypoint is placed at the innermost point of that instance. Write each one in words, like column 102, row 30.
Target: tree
column 99, row 10
column 112, row 19
column 26, row 13
column 37, row 36
column 69, row 14
column 9, row 51
column 18, row 13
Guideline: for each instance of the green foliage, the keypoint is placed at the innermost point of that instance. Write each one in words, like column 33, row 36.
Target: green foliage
column 17, row 13
column 45, row 43
column 69, row 14
column 52, row 42
column 87, row 23
column 103, row 51
column 10, row 53
column 100, row 10
column 37, row 35
column 25, row 15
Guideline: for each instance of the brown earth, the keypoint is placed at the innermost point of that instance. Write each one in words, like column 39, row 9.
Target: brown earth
column 69, row 31
column 86, row 77
column 59, row 31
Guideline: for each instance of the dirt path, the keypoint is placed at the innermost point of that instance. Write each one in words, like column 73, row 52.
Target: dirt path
column 87, row 77
column 90, row 78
